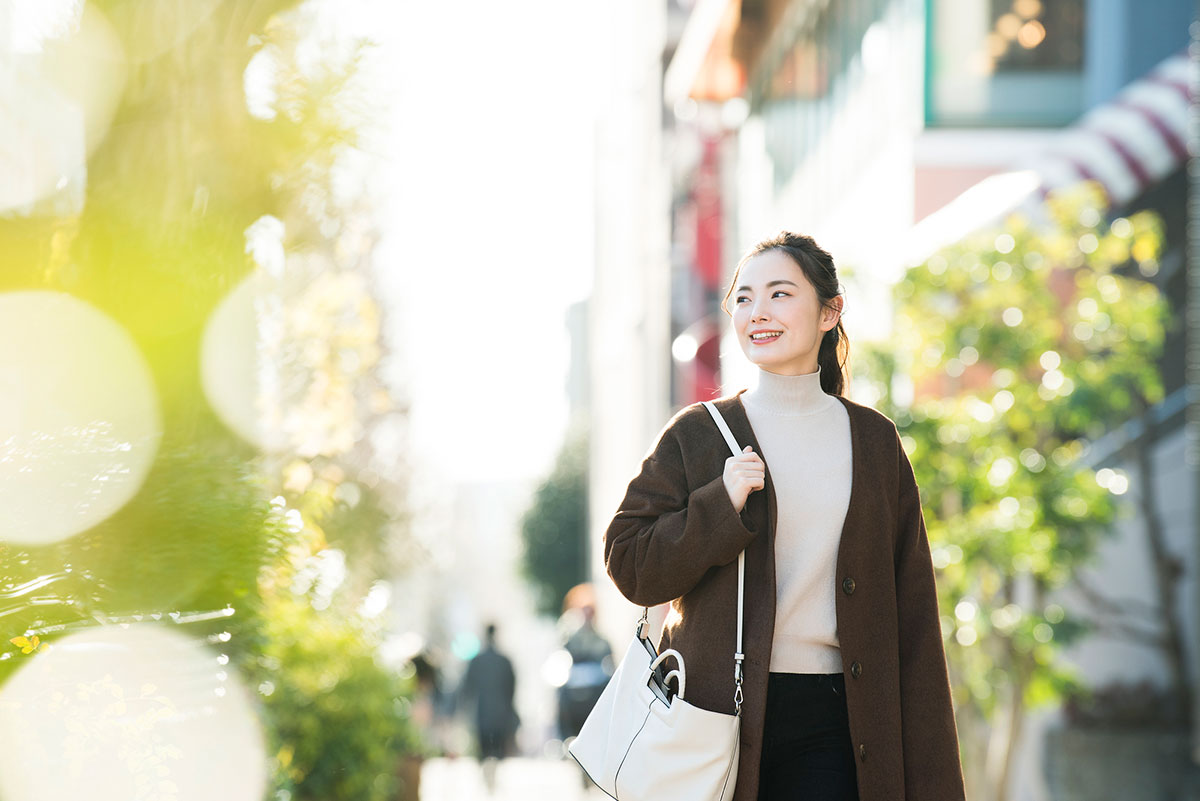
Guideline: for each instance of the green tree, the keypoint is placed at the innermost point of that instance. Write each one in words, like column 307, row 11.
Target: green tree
column 339, row 720
column 155, row 243
column 179, row 174
column 1021, row 345
column 554, row 529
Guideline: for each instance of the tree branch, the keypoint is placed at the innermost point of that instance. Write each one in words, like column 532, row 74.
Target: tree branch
column 1117, row 607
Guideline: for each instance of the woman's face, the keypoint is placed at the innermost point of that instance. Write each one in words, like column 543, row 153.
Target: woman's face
column 777, row 316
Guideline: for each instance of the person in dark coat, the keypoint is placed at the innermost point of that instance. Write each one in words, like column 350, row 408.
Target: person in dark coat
column 846, row 691
column 489, row 685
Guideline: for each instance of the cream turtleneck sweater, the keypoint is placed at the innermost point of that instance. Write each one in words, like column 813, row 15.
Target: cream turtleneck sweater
column 804, row 434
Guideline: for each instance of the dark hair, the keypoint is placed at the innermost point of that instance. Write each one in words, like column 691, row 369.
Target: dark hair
column 834, row 352
column 490, row 632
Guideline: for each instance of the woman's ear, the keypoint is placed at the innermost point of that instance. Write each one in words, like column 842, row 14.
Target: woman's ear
column 831, row 313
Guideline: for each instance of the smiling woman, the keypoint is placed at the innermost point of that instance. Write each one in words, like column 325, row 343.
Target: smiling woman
column 845, row 688
column 787, row 310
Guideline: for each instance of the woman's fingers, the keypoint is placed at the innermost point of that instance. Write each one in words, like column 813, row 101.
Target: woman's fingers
column 746, row 457
column 744, row 473
column 748, row 472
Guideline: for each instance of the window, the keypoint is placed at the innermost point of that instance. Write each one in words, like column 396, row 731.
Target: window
column 1004, row 62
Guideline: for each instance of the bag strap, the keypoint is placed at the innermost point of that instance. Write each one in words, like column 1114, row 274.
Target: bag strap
column 738, row 656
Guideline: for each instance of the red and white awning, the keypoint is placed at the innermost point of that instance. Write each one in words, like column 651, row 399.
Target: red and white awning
column 1129, row 143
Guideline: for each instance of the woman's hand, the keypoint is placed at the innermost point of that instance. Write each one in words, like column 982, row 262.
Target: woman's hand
column 743, row 475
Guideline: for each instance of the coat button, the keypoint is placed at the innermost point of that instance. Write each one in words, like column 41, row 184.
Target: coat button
column 855, row 669
column 862, row 753
column 848, row 586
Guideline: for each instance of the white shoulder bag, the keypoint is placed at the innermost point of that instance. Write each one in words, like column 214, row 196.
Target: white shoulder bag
column 641, row 742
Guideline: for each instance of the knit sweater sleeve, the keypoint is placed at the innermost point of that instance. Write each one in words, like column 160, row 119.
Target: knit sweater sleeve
column 932, row 768
column 666, row 534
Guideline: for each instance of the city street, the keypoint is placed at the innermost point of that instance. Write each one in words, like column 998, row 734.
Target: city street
column 516, row 780
column 354, row 357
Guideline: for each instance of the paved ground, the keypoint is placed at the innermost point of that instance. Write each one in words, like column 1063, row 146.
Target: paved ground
column 516, row 780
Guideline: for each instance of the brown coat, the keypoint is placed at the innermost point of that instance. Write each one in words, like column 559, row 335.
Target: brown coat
column 676, row 538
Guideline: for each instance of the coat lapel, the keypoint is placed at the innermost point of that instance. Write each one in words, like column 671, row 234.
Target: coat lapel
column 857, row 520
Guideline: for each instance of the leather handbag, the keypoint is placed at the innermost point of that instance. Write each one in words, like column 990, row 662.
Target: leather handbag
column 642, row 740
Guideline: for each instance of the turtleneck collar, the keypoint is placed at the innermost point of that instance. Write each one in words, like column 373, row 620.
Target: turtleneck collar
column 788, row 395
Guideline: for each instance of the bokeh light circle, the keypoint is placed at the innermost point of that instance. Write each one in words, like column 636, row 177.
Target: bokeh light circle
column 60, row 110
column 126, row 712
column 79, row 417
column 229, row 363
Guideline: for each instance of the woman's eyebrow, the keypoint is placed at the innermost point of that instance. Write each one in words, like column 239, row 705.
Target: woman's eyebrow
column 770, row 284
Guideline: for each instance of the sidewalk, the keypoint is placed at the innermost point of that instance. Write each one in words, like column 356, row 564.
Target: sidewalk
column 520, row 779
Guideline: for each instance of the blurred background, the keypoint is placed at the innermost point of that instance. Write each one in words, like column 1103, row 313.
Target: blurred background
column 331, row 333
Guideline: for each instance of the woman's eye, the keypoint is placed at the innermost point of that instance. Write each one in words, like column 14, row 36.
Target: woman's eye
column 776, row 293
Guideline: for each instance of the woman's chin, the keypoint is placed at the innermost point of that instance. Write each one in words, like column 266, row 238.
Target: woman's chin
column 776, row 364
column 770, row 365
column 769, row 357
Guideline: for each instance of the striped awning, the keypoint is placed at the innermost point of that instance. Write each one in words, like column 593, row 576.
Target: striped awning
column 1129, row 143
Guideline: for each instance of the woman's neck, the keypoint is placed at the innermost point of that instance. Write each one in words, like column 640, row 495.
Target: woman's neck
column 788, row 394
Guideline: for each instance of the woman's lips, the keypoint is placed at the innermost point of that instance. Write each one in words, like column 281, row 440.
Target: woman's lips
column 765, row 341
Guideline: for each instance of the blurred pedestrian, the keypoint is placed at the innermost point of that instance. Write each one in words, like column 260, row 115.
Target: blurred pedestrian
column 591, row 664
column 845, row 693
column 433, row 705
column 591, row 660
column 489, row 686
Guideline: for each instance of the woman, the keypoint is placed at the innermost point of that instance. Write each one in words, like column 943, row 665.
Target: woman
column 846, row 694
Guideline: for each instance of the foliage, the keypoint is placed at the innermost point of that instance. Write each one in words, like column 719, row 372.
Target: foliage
column 155, row 250
column 554, row 530
column 156, row 237
column 339, row 721
column 341, row 465
column 1022, row 346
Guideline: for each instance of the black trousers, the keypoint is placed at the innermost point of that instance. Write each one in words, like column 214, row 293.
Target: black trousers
column 807, row 754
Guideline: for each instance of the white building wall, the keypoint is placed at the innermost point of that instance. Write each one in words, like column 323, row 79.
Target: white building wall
column 630, row 303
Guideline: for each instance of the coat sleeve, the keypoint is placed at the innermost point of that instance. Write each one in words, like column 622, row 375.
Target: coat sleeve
column 663, row 537
column 932, row 768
